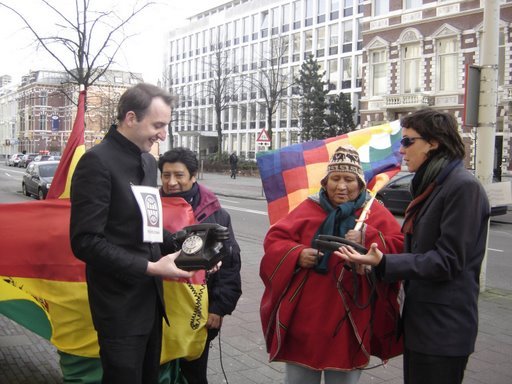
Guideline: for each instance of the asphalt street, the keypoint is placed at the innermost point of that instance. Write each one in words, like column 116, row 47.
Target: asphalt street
column 239, row 354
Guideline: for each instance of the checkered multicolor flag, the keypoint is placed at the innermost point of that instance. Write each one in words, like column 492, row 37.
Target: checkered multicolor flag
column 292, row 173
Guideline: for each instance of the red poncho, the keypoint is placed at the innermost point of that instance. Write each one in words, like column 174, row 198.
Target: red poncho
column 312, row 319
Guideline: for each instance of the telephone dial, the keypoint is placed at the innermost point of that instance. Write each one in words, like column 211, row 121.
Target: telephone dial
column 201, row 246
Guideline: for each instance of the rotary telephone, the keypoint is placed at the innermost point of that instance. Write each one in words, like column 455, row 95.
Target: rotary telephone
column 201, row 245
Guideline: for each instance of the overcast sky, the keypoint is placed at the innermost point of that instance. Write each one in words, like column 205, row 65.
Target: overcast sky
column 142, row 53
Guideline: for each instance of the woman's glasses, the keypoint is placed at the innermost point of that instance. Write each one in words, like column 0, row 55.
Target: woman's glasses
column 408, row 141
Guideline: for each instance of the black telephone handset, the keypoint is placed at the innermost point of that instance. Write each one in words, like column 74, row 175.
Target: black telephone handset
column 201, row 245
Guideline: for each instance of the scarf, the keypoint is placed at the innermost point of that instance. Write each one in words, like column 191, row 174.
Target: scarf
column 431, row 174
column 339, row 220
column 192, row 196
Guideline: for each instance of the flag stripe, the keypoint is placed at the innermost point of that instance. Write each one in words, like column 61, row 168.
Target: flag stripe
column 75, row 148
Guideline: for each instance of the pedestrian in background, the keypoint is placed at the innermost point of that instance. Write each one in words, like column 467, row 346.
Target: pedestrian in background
column 178, row 172
column 109, row 232
column 233, row 164
column 317, row 313
column 445, row 230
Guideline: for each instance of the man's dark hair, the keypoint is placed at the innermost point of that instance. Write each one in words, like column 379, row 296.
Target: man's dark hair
column 139, row 98
column 181, row 155
column 440, row 126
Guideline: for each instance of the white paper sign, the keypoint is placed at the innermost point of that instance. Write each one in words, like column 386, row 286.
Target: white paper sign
column 150, row 207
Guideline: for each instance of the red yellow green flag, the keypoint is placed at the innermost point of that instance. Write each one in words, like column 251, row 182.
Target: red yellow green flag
column 75, row 148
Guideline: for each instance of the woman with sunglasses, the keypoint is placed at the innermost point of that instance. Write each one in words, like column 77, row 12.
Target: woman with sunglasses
column 445, row 230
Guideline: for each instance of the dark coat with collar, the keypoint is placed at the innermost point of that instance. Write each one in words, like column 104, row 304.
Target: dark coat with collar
column 442, row 267
column 106, row 233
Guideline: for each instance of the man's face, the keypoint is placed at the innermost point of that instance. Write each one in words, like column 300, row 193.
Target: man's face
column 176, row 178
column 151, row 128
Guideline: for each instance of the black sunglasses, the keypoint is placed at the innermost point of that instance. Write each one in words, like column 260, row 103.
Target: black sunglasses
column 408, row 141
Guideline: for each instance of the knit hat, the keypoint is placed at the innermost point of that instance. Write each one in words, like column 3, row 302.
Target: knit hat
column 345, row 159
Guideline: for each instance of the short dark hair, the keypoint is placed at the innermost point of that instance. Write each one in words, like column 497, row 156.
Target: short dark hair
column 138, row 99
column 440, row 126
column 181, row 155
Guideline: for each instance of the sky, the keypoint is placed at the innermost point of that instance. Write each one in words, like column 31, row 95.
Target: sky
column 142, row 53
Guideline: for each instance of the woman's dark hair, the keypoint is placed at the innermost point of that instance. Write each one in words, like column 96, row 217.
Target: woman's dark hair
column 139, row 98
column 180, row 155
column 440, row 126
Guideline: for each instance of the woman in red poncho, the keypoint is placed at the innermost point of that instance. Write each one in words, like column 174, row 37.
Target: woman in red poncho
column 318, row 314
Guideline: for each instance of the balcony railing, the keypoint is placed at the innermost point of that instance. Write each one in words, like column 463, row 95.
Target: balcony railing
column 408, row 100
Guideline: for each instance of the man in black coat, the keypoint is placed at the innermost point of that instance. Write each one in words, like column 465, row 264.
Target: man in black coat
column 122, row 241
column 178, row 170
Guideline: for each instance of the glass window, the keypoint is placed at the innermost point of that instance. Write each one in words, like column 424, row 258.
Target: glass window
column 380, row 7
column 285, row 17
column 309, row 12
column 378, row 73
column 447, row 60
column 321, row 11
column 409, row 4
column 296, row 14
column 501, row 57
column 411, row 60
column 335, row 9
column 333, row 73
column 320, row 42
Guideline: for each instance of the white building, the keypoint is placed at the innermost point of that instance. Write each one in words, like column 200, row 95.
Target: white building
column 8, row 112
column 243, row 36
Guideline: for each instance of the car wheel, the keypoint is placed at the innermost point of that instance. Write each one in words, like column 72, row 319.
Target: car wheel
column 24, row 190
column 40, row 194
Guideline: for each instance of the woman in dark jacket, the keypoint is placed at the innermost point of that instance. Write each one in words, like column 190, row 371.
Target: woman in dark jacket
column 445, row 230
column 178, row 171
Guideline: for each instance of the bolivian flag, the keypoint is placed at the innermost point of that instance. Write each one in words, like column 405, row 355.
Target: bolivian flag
column 290, row 174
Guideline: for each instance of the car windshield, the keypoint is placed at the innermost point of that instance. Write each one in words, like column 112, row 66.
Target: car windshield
column 47, row 170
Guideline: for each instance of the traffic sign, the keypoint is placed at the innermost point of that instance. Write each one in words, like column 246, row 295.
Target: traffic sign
column 263, row 137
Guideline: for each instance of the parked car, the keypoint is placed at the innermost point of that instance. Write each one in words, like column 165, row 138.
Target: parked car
column 14, row 159
column 38, row 177
column 396, row 195
column 26, row 160
column 42, row 158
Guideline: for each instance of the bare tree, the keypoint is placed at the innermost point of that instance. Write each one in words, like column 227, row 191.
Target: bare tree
column 221, row 87
column 272, row 81
column 89, row 39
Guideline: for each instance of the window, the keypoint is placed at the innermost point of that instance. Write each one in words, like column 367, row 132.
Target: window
column 333, row 73
column 378, row 73
column 264, row 24
column 347, row 36
column 296, row 14
column 309, row 12
column 321, row 11
column 254, row 27
column 380, row 7
column 447, row 64
column 320, row 42
column 410, row 4
column 246, row 29
column 346, row 80
column 295, row 43
column 275, row 21
column 411, row 60
column 333, row 39
column 285, row 18
column 348, row 8
column 308, row 43
column 501, row 58
column 335, row 9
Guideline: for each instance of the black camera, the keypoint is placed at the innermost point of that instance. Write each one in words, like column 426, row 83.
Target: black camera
column 201, row 246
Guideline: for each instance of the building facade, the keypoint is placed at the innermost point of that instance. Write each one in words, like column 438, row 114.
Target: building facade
column 390, row 56
column 416, row 54
column 252, row 41
column 37, row 115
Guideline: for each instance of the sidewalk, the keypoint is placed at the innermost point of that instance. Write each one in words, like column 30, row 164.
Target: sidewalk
column 26, row 358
